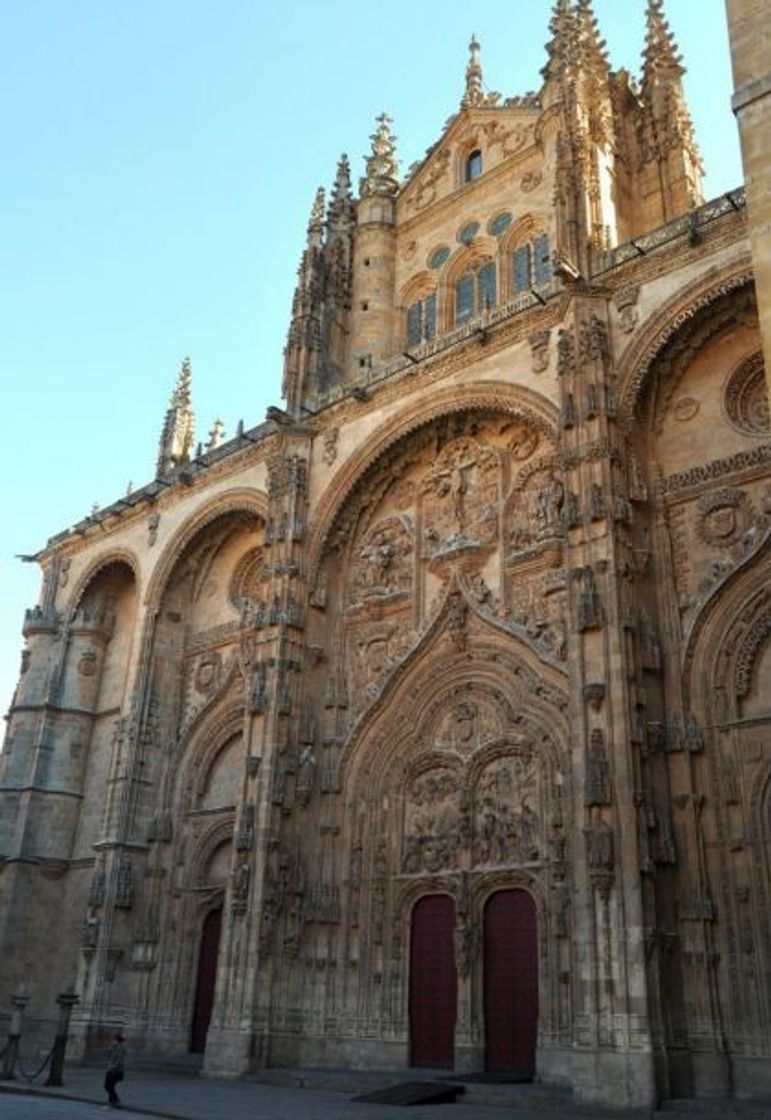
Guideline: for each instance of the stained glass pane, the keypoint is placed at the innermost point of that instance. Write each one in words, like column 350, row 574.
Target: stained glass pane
column 487, row 287
column 522, row 269
column 542, row 260
column 429, row 315
column 414, row 317
column 469, row 232
column 464, row 298
column 500, row 224
column 438, row 257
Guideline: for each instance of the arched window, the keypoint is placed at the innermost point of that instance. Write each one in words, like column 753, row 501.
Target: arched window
column 421, row 320
column 532, row 265
column 473, row 165
column 475, row 292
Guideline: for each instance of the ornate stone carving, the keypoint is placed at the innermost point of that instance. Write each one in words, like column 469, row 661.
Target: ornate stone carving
column 597, row 770
column 153, row 524
column 506, row 821
column 594, row 695
column 723, row 516
column 590, row 615
column 539, row 350
column 745, row 399
column 208, row 672
column 522, row 441
column 625, row 300
column 462, row 493
column 329, row 453
column 431, row 827
column 124, row 885
column 246, row 589
column 382, row 567
column 685, row 408
column 600, row 854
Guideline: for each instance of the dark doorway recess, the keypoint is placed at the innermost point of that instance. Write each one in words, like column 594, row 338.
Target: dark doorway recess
column 207, row 975
column 511, row 983
column 433, row 983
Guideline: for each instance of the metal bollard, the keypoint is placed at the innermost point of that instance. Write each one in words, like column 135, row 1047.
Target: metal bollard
column 19, row 1001
column 66, row 1001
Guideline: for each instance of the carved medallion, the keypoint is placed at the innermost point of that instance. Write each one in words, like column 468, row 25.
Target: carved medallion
column 685, row 408
column 745, row 399
column 723, row 516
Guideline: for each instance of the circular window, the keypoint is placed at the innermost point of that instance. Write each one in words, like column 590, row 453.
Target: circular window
column 500, row 223
column 745, row 399
column 438, row 257
column 468, row 233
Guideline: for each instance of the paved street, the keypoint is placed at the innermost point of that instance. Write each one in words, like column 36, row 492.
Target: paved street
column 186, row 1096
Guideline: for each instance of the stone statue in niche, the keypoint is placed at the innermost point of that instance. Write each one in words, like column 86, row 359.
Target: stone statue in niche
column 590, row 615
column 383, row 562
column 597, row 770
column 549, row 503
column 306, row 772
column 461, row 493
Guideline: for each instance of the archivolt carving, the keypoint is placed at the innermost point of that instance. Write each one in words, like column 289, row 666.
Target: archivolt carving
column 719, row 631
column 116, row 556
column 755, row 639
column 243, row 500
column 197, row 751
column 702, row 306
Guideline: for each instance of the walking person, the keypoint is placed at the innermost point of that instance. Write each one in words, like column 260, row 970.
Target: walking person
column 116, row 1063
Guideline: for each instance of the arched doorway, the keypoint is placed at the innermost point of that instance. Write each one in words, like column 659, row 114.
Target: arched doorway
column 511, row 983
column 433, row 983
column 207, row 975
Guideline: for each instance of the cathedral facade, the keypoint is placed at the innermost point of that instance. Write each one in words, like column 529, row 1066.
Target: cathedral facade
column 428, row 723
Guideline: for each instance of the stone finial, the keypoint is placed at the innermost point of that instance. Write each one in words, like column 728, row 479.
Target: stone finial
column 179, row 426
column 660, row 53
column 216, row 435
column 382, row 168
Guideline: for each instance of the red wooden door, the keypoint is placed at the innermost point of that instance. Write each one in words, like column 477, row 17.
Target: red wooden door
column 433, row 983
column 207, row 975
column 511, row 983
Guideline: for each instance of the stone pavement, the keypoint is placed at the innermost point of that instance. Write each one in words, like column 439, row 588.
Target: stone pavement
column 179, row 1095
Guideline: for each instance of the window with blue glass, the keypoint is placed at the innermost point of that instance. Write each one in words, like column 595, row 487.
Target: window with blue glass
column 541, row 261
column 473, row 165
column 421, row 320
column 522, row 269
column 476, row 292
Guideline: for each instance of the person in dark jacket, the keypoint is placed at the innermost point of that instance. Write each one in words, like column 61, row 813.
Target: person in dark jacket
column 116, row 1064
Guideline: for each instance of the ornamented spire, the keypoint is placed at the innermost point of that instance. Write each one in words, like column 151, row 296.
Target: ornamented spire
column 474, row 94
column 179, row 427
column 316, row 221
column 660, row 54
column 216, row 435
column 340, row 214
column 382, row 168
column 562, row 48
column 591, row 44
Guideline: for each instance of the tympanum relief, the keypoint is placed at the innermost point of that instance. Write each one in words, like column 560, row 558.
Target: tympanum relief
column 446, row 503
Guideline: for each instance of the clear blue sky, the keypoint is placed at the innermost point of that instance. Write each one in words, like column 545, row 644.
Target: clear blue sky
column 160, row 161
